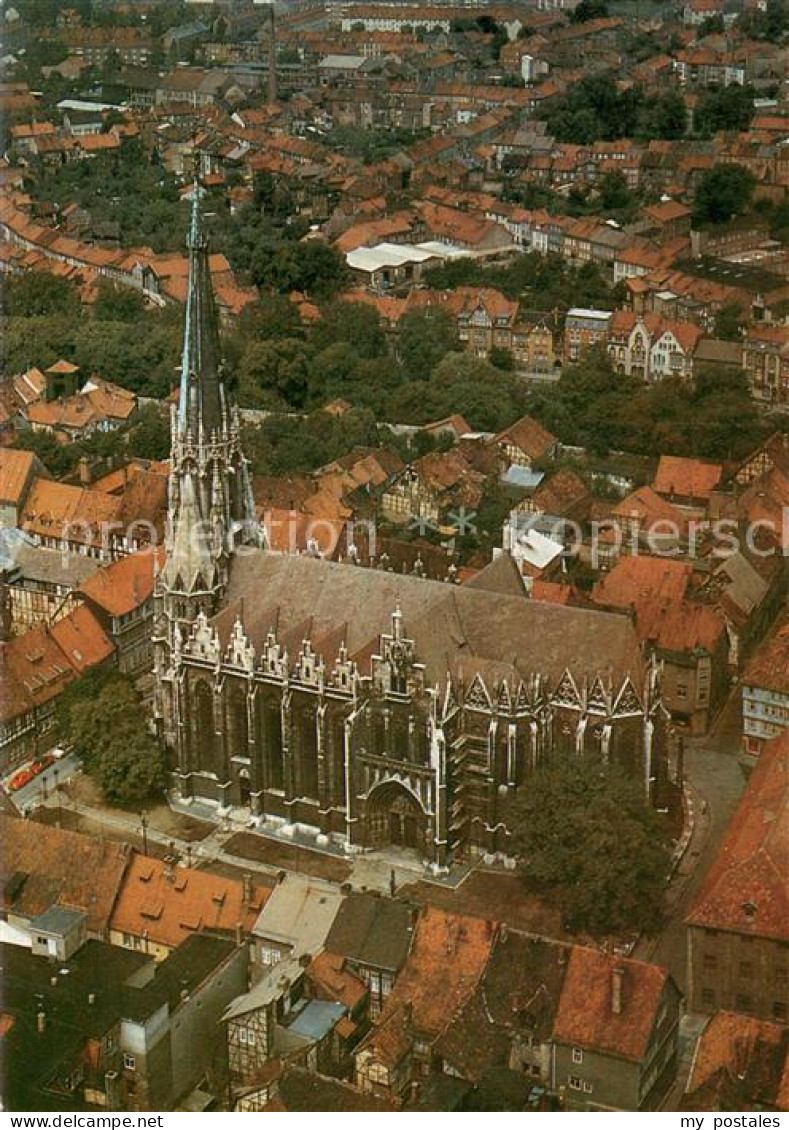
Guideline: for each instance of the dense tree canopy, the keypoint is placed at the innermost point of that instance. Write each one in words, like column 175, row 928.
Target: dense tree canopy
column 596, row 109
column 34, row 294
column 728, row 108
column 597, row 408
column 589, row 844
column 99, row 715
column 723, row 192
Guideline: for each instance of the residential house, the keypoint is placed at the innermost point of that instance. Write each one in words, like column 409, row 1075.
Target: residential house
column 616, row 1031
column 738, row 923
column 120, row 595
column 584, row 329
column 765, row 693
column 73, row 519
column 110, row 1030
column 647, row 347
column 669, row 219
column 525, row 442
column 294, row 1089
column 99, row 406
column 689, row 637
column 36, row 668
column 39, row 584
column 739, row 1063
column 537, row 556
column 563, row 494
column 45, row 867
column 18, row 471
column 372, row 936
column 765, row 358
column 433, row 489
column 686, row 482
column 279, row 1020
column 295, row 920
column 160, row 904
column 448, row 956
column 508, row 1019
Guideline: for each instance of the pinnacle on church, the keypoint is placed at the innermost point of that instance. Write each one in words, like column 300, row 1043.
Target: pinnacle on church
column 200, row 399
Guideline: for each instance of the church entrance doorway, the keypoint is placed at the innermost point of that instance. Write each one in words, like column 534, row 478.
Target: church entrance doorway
column 395, row 818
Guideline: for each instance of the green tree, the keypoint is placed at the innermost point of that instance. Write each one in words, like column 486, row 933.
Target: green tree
column 275, row 316
column 40, row 294
column 101, row 714
column 312, row 267
column 588, row 10
column 58, row 458
column 274, row 374
column 663, row 118
column 425, row 336
column 115, row 303
column 728, row 321
column 614, row 192
column 589, row 844
column 724, row 191
column 729, row 108
column 355, row 323
column 149, row 436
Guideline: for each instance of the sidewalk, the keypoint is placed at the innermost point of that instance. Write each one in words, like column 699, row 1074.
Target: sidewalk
column 370, row 871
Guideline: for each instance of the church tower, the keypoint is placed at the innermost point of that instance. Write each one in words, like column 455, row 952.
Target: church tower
column 211, row 508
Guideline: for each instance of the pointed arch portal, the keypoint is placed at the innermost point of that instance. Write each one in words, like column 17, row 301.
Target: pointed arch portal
column 394, row 818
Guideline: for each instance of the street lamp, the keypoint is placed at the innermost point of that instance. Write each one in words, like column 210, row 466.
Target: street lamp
column 144, row 821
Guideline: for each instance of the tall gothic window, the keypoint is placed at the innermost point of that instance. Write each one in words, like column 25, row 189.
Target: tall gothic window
column 272, row 737
column 307, row 753
column 336, row 747
column 205, row 728
column 238, row 727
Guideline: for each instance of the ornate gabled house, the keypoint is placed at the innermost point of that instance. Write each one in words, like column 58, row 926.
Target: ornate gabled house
column 366, row 708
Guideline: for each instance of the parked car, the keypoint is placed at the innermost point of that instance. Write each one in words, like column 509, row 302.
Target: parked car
column 29, row 772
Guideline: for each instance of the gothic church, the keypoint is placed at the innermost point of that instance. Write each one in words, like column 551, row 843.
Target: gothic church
column 362, row 708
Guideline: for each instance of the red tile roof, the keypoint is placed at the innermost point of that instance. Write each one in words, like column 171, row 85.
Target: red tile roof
column 64, row 868
column 586, row 1018
column 15, row 469
column 769, row 667
column 448, row 956
column 168, row 904
column 530, row 437
column 125, row 584
column 745, row 889
column 686, row 478
column 754, row 1053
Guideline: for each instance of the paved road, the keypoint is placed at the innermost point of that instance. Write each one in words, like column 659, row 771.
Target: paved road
column 713, row 771
column 42, row 785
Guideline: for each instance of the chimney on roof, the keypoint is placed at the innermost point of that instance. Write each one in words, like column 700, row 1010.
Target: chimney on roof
column 111, row 1090
column 617, row 985
column 246, row 884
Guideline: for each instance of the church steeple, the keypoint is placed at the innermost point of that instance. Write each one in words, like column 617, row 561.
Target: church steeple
column 211, row 508
column 201, row 401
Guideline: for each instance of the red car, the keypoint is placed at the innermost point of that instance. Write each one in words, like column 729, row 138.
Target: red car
column 21, row 778
column 24, row 776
